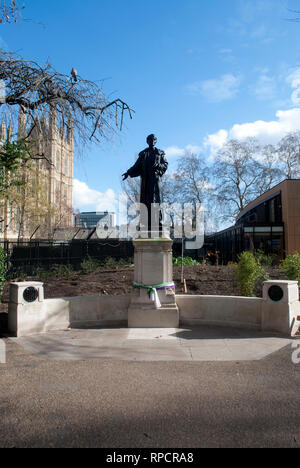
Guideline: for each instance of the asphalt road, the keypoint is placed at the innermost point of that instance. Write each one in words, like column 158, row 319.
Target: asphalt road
column 120, row 404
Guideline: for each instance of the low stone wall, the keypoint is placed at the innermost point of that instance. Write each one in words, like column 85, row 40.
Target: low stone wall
column 99, row 311
column 44, row 315
column 278, row 311
column 220, row 310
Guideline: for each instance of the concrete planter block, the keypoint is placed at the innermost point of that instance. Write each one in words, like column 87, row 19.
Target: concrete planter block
column 289, row 288
column 280, row 309
column 16, row 295
column 26, row 312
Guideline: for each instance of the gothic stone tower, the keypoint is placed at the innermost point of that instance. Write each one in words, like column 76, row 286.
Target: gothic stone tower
column 58, row 147
column 53, row 147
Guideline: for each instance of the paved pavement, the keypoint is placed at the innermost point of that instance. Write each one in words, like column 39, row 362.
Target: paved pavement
column 114, row 403
column 197, row 344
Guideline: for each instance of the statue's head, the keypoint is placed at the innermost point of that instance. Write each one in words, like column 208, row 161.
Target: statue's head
column 151, row 140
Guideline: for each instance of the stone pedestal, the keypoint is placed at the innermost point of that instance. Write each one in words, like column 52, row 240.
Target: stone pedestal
column 281, row 307
column 153, row 266
column 26, row 312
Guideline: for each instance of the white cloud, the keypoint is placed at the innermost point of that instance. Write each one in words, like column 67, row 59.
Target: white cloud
column 87, row 198
column 255, row 20
column 265, row 87
column 216, row 140
column 227, row 56
column 217, row 90
column 193, row 149
column 2, row 92
column 294, row 80
column 176, row 152
column 265, row 132
column 251, row 10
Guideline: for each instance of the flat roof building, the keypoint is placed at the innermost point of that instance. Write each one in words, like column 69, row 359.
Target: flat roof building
column 270, row 223
column 102, row 219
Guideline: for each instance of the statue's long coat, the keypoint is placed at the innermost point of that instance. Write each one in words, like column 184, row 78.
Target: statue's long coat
column 150, row 166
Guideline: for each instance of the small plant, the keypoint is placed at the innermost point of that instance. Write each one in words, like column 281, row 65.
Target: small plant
column 265, row 259
column 89, row 265
column 291, row 266
column 110, row 262
column 44, row 275
column 16, row 274
column 248, row 272
column 64, row 271
column 125, row 262
column 3, row 270
column 187, row 261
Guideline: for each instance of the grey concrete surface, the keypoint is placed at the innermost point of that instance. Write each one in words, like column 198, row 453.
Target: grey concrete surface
column 174, row 404
column 196, row 344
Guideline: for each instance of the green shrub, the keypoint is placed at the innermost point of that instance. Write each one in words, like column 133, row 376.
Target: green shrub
column 187, row 261
column 291, row 266
column 248, row 272
column 64, row 271
column 110, row 262
column 21, row 275
column 265, row 259
column 89, row 265
column 125, row 262
column 43, row 274
column 3, row 270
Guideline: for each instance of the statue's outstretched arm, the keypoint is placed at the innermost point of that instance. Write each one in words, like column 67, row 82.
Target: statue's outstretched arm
column 136, row 169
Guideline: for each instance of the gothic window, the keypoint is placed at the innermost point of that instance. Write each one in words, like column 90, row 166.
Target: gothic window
column 64, row 195
column 66, row 166
column 55, row 192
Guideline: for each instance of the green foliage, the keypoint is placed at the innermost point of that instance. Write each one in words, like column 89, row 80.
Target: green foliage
column 124, row 262
column 89, row 265
column 13, row 156
column 265, row 259
column 63, row 271
column 110, row 262
column 187, row 261
column 3, row 269
column 291, row 266
column 44, row 275
column 249, row 271
column 18, row 274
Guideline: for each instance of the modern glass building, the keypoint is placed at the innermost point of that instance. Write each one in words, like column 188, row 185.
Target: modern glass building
column 270, row 223
column 102, row 219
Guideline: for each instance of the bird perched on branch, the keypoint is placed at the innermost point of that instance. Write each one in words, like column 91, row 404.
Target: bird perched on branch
column 74, row 75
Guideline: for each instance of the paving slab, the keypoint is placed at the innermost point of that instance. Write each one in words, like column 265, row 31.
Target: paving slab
column 189, row 344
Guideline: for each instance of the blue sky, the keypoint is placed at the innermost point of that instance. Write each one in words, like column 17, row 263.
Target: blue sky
column 196, row 72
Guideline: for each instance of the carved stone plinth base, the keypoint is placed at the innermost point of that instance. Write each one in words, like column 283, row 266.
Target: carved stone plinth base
column 153, row 266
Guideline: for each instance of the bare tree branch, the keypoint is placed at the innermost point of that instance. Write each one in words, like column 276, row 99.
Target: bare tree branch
column 10, row 11
column 295, row 12
column 81, row 104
